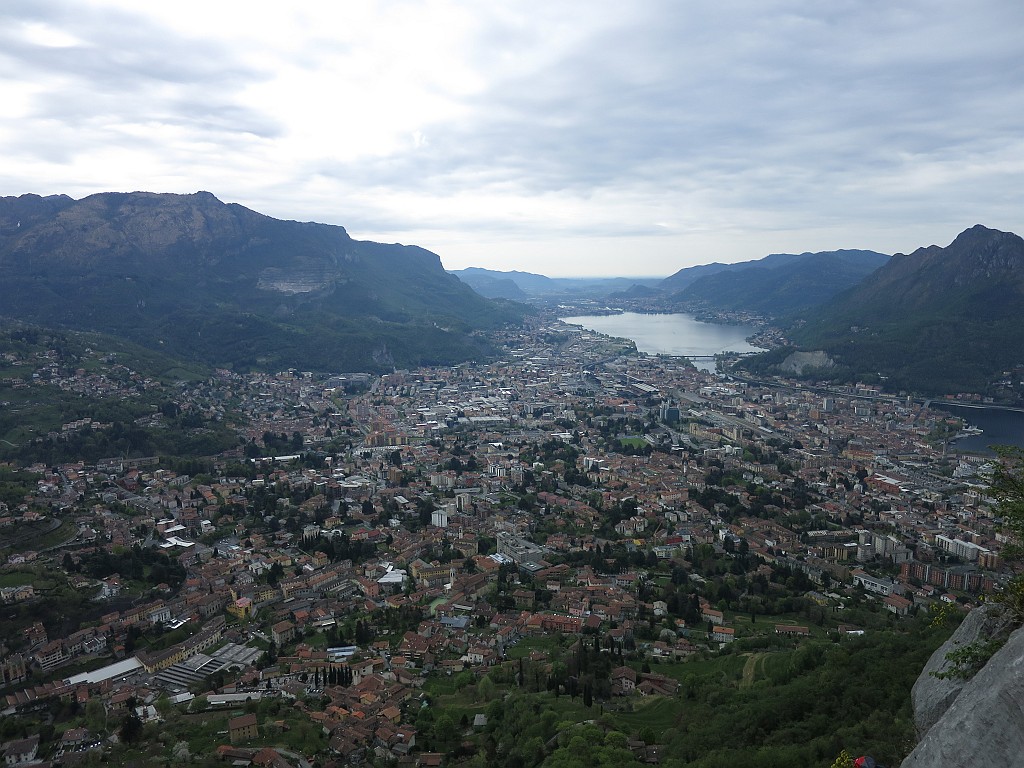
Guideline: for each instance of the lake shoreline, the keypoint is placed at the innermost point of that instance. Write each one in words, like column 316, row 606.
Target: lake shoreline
column 674, row 334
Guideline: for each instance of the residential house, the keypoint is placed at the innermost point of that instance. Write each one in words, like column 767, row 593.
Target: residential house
column 710, row 614
column 283, row 633
column 723, row 634
column 623, row 681
column 21, row 751
column 898, row 605
column 243, row 728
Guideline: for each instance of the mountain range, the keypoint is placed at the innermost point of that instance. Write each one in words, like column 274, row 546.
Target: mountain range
column 217, row 282
column 220, row 284
column 775, row 286
column 939, row 319
column 527, row 286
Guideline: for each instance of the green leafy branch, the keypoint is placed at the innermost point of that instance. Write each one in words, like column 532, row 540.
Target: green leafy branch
column 967, row 660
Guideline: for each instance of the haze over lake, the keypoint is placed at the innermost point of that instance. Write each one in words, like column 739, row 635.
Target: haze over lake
column 671, row 334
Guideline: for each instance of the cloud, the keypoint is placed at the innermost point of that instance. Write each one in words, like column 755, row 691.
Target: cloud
column 535, row 134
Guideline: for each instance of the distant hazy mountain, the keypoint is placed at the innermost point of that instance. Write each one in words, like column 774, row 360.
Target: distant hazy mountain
column 635, row 293
column 688, row 275
column 527, row 282
column 778, row 284
column 489, row 282
column 937, row 320
column 685, row 277
column 493, row 285
column 218, row 282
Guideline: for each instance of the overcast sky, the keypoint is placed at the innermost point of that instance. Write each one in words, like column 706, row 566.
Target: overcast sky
column 566, row 138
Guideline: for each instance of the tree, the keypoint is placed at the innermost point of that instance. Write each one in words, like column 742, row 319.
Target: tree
column 131, row 729
column 268, row 657
column 445, row 729
column 164, row 706
column 95, row 715
column 1007, row 487
column 486, row 689
column 275, row 573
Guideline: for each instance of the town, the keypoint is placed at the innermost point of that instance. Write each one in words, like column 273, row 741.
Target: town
column 574, row 517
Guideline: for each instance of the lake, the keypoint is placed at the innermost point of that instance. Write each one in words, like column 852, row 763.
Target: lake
column 675, row 334
column 999, row 426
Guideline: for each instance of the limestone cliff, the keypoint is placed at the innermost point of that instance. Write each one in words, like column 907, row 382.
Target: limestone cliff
column 216, row 282
column 799, row 362
column 978, row 722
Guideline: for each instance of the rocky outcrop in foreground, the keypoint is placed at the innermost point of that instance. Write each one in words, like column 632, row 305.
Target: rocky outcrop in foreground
column 978, row 722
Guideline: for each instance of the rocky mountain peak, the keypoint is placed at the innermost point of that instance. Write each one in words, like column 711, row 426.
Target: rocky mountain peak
column 193, row 274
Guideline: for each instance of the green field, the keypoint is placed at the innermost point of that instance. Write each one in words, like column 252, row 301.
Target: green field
column 658, row 714
column 36, row 536
column 547, row 644
column 40, row 580
column 633, row 442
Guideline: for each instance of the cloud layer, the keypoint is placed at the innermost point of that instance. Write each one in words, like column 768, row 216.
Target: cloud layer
column 605, row 138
